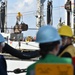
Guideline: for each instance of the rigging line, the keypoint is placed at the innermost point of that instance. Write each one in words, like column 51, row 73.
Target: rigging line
column 36, row 10
column 28, row 13
column 22, row 14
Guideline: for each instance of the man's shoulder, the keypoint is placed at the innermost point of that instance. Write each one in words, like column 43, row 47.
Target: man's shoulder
column 66, row 60
column 31, row 66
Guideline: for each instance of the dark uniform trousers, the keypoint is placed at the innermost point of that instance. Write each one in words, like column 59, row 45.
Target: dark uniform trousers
column 3, row 66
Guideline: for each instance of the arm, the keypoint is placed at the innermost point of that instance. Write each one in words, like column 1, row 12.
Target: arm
column 18, row 53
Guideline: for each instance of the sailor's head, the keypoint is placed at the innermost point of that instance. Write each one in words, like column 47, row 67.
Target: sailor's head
column 66, row 34
column 46, row 34
column 48, row 39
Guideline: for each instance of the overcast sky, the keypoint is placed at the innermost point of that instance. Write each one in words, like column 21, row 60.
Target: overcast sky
column 28, row 9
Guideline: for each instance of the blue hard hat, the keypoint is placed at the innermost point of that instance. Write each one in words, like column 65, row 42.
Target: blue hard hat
column 46, row 34
column 1, row 38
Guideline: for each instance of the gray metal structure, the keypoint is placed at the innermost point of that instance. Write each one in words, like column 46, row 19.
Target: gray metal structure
column 5, row 24
column 0, row 16
column 3, row 15
column 40, row 13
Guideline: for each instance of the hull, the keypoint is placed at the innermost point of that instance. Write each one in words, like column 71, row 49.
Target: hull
column 14, row 64
column 24, row 45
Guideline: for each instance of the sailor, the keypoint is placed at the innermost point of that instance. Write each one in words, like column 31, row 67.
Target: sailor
column 67, row 49
column 49, row 43
column 3, row 65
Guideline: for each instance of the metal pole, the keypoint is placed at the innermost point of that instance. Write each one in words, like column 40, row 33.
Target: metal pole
column 74, row 16
column 5, row 24
column 49, row 12
column 40, row 15
column 68, row 18
column 68, row 4
column 0, row 16
column 38, row 22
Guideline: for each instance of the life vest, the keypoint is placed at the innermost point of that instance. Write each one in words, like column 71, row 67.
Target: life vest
column 70, row 49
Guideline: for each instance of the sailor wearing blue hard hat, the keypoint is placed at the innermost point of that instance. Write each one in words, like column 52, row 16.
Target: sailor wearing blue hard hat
column 49, row 43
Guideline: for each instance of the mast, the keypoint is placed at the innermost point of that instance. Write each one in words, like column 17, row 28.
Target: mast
column 40, row 13
column 68, row 10
column 49, row 12
column 73, row 16
column 70, row 18
column 3, row 15
column 0, row 16
column 5, row 24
